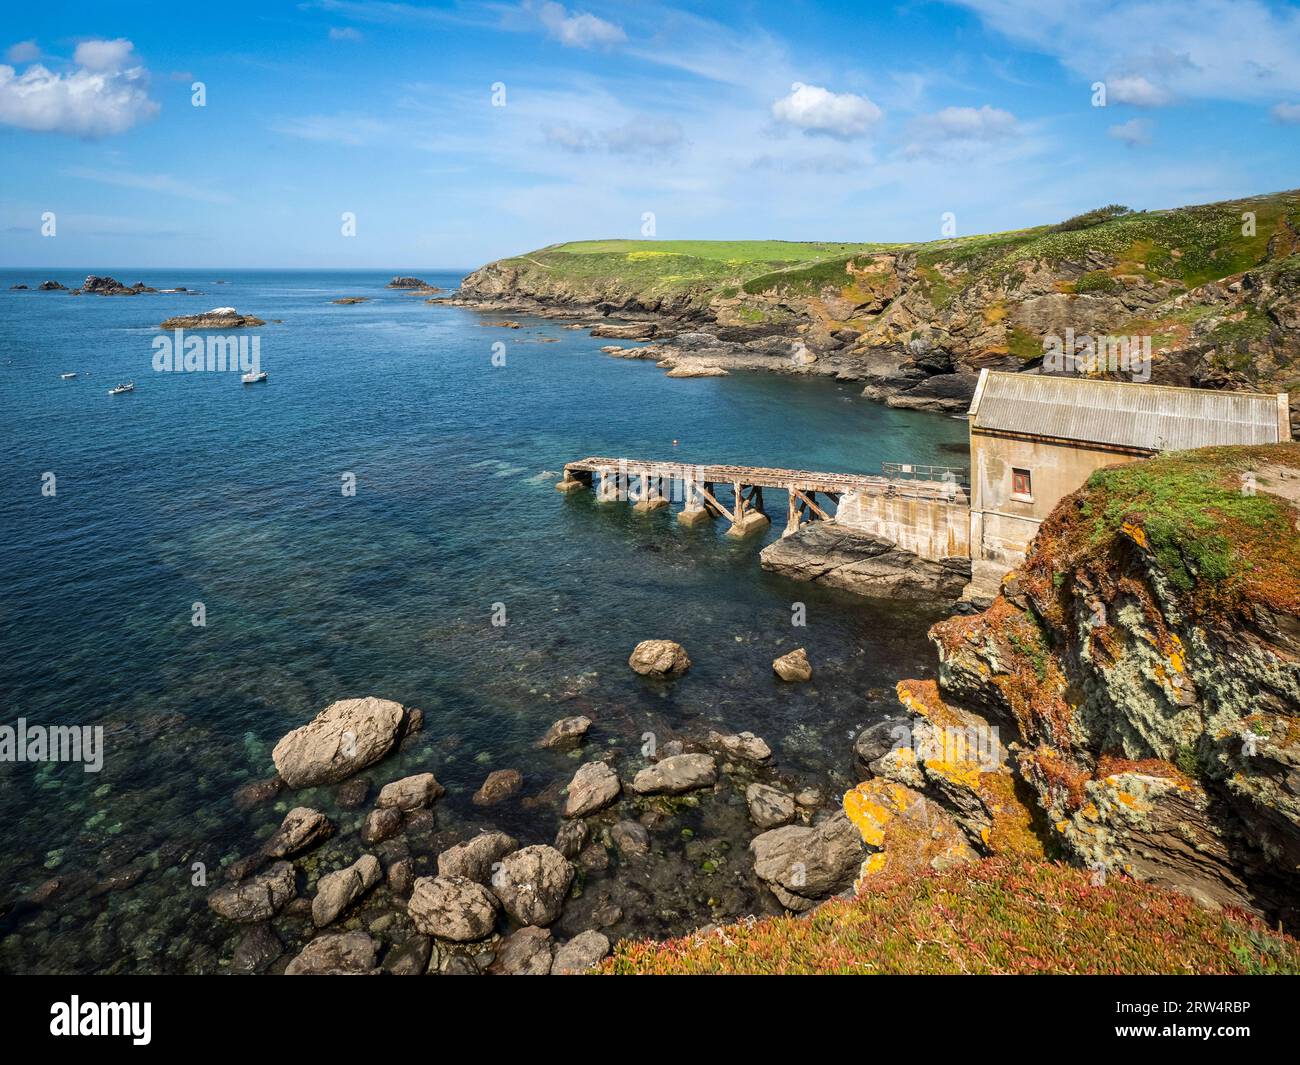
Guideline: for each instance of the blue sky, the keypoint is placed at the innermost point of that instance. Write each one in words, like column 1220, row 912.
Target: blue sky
column 790, row 120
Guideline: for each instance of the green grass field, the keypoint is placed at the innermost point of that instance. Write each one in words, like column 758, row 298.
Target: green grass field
column 1188, row 245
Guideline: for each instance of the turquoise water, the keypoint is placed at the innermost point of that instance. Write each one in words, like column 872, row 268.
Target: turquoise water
column 195, row 488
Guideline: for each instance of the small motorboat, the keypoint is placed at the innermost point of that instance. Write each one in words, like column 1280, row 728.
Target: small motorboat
column 254, row 377
column 66, row 376
column 117, row 390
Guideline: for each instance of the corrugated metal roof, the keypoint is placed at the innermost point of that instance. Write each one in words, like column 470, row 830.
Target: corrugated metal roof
column 1155, row 417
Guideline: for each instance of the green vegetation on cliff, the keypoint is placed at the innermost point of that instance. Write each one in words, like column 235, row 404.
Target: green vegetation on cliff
column 996, row 916
column 1187, row 245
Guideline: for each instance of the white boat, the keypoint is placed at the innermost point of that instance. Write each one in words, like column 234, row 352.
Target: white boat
column 254, row 377
column 117, row 390
column 67, row 376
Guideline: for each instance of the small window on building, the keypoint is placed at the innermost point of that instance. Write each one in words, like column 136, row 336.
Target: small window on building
column 1022, row 485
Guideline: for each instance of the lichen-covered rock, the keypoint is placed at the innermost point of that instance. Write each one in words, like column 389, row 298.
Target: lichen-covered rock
column 1146, row 660
column 452, row 908
column 532, row 884
column 341, row 740
column 910, row 833
column 674, row 775
column 659, row 658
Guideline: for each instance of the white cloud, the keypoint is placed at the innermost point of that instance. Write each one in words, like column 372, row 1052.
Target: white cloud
column 1209, row 49
column 1137, row 90
column 103, row 56
column 813, row 109
column 102, row 97
column 1287, row 113
column 344, row 33
column 959, row 132
column 640, row 136
column 1134, row 132
column 163, row 183
column 578, row 29
column 23, row 52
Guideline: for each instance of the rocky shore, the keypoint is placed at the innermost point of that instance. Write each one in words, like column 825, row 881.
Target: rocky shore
column 916, row 324
column 401, row 894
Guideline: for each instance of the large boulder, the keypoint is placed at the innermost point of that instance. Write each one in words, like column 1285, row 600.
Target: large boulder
column 335, row 954
column 337, row 891
column 452, row 908
column 341, row 740
column 802, row 865
column 532, row 883
column 410, row 793
column 256, row 898
column 475, row 858
column 659, row 658
column 672, row 776
column 594, row 786
column 824, row 552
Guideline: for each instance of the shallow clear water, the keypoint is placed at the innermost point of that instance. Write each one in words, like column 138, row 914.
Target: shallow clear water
column 197, row 489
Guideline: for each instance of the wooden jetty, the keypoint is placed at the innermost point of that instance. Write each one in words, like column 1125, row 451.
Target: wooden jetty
column 702, row 489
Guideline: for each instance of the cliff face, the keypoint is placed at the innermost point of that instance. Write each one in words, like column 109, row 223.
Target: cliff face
column 1215, row 288
column 1146, row 660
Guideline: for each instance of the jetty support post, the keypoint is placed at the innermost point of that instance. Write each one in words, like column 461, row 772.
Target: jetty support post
column 612, row 484
column 748, row 516
column 696, row 497
column 651, row 496
column 573, row 480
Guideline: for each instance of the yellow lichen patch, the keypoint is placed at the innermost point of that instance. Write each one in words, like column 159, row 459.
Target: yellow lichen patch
column 873, row 804
column 1134, row 533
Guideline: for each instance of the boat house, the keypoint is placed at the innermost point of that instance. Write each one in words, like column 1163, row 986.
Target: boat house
column 1035, row 438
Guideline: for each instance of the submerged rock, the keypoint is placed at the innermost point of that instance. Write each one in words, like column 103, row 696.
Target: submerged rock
column 565, row 733
column 793, row 666
column 659, row 658
column 500, row 785
column 743, row 746
column 341, row 740
column 381, row 824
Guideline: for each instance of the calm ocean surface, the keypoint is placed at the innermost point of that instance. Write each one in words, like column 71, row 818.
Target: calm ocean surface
column 197, row 489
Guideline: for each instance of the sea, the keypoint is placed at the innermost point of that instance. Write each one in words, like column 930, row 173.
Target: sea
column 197, row 566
